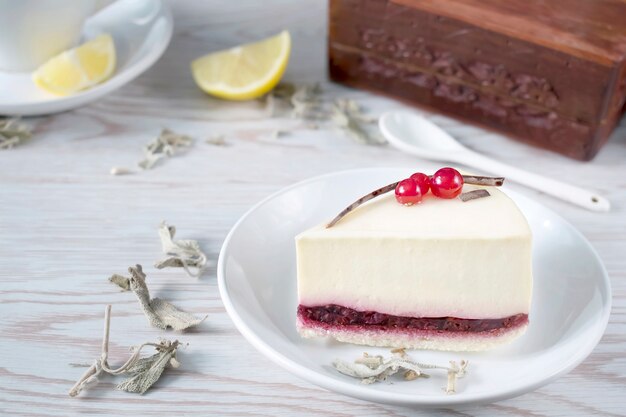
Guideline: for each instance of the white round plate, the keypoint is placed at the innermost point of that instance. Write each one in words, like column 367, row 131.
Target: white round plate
column 257, row 282
column 141, row 30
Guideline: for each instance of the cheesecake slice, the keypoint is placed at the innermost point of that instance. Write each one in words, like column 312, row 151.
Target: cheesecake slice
column 443, row 274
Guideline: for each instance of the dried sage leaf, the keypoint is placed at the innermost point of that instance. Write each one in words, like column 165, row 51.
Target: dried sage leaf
column 165, row 145
column 12, row 132
column 306, row 102
column 284, row 91
column 276, row 134
column 217, row 140
column 347, row 115
column 410, row 375
column 169, row 263
column 170, row 316
column 181, row 253
column 355, row 110
column 144, row 372
column 121, row 281
column 160, row 313
column 370, row 369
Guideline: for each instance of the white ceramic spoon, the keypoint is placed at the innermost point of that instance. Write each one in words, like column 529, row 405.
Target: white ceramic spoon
column 416, row 135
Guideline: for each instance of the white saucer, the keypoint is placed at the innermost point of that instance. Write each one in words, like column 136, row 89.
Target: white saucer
column 141, row 29
column 257, row 282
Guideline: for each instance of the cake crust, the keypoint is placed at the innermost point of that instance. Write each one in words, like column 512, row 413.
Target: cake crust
column 412, row 339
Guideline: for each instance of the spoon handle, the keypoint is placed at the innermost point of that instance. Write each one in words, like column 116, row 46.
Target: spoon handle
column 570, row 193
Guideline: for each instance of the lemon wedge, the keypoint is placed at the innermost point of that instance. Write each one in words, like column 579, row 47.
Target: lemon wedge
column 246, row 71
column 78, row 68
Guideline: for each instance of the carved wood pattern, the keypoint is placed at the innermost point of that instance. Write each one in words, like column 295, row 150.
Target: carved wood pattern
column 497, row 78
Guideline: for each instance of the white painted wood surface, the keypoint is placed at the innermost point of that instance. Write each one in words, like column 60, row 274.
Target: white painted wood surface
column 66, row 225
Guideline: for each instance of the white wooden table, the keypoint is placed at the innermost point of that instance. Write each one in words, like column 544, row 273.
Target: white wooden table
column 66, row 225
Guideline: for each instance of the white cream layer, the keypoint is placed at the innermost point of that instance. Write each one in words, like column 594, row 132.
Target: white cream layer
column 438, row 258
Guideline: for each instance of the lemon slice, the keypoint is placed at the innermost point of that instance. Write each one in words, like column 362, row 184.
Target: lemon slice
column 246, row 71
column 78, row 68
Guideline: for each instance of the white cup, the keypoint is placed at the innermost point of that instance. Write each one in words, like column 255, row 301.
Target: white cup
column 32, row 31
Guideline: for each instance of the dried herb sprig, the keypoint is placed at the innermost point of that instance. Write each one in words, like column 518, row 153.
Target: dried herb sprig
column 160, row 313
column 284, row 90
column 304, row 101
column 467, row 179
column 143, row 372
column 277, row 134
column 181, row 253
column 372, row 369
column 307, row 103
column 281, row 93
column 121, row 281
column 216, row 140
column 166, row 144
column 12, row 132
column 348, row 115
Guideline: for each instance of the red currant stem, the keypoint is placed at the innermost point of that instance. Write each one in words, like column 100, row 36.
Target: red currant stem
column 362, row 200
column 467, row 179
column 478, row 180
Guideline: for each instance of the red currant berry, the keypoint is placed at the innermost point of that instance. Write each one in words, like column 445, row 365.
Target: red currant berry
column 408, row 193
column 422, row 180
column 446, row 183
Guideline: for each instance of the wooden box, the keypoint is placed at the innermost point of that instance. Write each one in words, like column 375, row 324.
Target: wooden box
column 552, row 73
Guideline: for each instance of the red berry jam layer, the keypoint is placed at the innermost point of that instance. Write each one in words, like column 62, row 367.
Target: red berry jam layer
column 343, row 316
